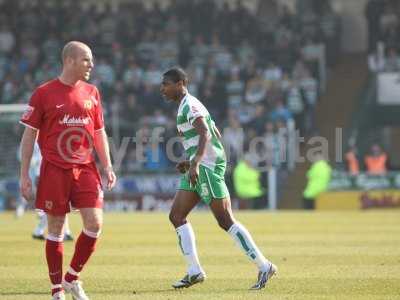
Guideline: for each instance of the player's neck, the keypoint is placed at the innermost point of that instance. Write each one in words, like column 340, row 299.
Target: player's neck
column 68, row 79
column 182, row 95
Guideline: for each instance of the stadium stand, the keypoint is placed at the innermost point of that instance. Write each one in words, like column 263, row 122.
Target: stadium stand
column 254, row 81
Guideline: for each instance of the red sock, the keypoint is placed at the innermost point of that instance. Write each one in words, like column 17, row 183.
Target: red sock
column 54, row 256
column 84, row 247
column 56, row 290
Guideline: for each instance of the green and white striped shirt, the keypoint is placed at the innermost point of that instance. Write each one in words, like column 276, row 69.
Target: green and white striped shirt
column 189, row 110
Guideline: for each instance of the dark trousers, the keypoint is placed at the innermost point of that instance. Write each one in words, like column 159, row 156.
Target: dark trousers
column 308, row 203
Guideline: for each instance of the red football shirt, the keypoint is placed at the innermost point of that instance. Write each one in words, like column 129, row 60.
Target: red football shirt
column 67, row 118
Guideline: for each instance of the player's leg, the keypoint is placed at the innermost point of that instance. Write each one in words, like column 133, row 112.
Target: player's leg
column 184, row 202
column 52, row 197
column 55, row 251
column 67, row 231
column 222, row 211
column 38, row 232
column 20, row 206
column 87, row 196
column 217, row 195
column 85, row 245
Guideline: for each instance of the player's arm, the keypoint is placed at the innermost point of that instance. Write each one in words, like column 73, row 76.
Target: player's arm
column 204, row 137
column 103, row 151
column 217, row 132
column 27, row 143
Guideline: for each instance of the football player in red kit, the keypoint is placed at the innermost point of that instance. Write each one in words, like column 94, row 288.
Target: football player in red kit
column 65, row 116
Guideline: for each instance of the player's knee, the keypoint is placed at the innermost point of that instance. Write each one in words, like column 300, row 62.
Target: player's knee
column 92, row 233
column 55, row 226
column 94, row 227
column 176, row 219
column 225, row 223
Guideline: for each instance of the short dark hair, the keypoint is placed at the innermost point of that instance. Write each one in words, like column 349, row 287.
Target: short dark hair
column 176, row 74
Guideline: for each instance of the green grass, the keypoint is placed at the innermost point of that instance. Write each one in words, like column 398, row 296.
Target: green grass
column 340, row 255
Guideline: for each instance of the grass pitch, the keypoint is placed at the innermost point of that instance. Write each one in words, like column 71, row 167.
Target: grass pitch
column 340, row 255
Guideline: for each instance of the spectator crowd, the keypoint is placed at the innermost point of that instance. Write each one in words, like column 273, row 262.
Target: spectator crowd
column 254, row 70
column 383, row 18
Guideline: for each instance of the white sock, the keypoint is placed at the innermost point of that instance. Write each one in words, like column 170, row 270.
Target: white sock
column 245, row 242
column 41, row 226
column 187, row 243
column 67, row 230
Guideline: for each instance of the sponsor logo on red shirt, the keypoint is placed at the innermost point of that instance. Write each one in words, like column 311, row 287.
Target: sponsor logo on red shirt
column 74, row 121
column 87, row 104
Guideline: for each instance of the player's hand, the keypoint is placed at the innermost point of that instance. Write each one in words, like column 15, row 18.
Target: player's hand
column 111, row 178
column 193, row 173
column 183, row 166
column 26, row 187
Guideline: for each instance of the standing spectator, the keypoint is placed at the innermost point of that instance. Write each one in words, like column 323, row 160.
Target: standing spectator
column 373, row 12
column 295, row 105
column 376, row 62
column 376, row 160
column 392, row 63
column 246, row 181
column 309, row 86
column 318, row 178
column 352, row 163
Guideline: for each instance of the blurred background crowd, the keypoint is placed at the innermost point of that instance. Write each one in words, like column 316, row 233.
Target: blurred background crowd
column 383, row 18
column 262, row 68
column 254, row 69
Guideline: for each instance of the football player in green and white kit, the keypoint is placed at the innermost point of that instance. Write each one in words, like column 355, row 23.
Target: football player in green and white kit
column 203, row 179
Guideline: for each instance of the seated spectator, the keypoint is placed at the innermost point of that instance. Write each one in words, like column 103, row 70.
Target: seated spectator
column 199, row 51
column 299, row 70
column 273, row 72
column 392, row 63
column 376, row 160
column 280, row 112
column 258, row 118
column 234, row 90
column 233, row 137
column 152, row 75
column 7, row 39
column 376, row 63
column 105, row 72
column 245, row 52
column 256, row 89
column 132, row 75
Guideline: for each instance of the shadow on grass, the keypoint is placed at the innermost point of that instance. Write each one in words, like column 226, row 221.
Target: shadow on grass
column 183, row 291
column 23, row 293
